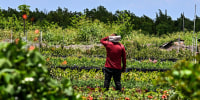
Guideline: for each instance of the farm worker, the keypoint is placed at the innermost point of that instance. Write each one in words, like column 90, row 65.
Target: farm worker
column 115, row 55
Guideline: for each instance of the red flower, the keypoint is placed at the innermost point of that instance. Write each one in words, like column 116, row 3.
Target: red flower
column 92, row 88
column 32, row 19
column 126, row 98
column 35, row 39
column 24, row 16
column 31, row 48
column 164, row 96
column 37, row 31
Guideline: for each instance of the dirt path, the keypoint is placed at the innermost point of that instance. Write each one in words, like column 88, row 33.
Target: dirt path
column 78, row 46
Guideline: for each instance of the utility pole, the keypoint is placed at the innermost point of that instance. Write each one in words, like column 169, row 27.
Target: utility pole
column 183, row 22
column 179, row 33
column 40, row 41
column 194, row 39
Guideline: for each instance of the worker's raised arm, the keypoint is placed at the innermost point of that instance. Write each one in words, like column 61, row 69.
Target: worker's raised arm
column 104, row 40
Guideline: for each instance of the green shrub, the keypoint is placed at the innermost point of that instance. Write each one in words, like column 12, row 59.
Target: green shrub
column 89, row 31
column 185, row 77
column 124, row 23
column 24, row 76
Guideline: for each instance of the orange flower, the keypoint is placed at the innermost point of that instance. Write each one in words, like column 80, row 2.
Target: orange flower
column 126, row 98
column 90, row 98
column 16, row 41
column 150, row 97
column 31, row 48
column 35, row 39
column 37, row 31
column 48, row 59
column 165, row 92
column 24, row 16
column 64, row 62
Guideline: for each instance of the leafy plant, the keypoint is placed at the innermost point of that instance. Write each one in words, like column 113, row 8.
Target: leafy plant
column 185, row 78
column 89, row 31
column 23, row 75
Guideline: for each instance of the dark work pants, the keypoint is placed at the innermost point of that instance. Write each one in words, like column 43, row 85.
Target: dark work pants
column 116, row 74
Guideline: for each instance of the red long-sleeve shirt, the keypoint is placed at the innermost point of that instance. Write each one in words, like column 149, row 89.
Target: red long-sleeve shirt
column 115, row 54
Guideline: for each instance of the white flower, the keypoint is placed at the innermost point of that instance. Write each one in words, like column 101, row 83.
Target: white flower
column 39, row 65
column 19, row 87
column 28, row 55
column 29, row 79
column 41, row 78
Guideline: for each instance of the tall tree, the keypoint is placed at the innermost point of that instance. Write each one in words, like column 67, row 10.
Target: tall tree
column 163, row 23
column 24, row 9
column 147, row 24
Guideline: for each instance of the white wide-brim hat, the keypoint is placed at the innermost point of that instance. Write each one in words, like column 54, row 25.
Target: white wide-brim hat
column 114, row 38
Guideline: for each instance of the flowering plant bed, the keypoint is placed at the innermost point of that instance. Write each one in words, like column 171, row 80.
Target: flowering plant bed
column 135, row 85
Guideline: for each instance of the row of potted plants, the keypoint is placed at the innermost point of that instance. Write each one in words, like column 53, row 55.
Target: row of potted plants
column 95, row 62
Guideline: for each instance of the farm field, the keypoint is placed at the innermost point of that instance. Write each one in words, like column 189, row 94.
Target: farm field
column 52, row 62
column 84, row 68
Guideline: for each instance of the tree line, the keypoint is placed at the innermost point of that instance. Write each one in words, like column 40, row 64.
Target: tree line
column 162, row 24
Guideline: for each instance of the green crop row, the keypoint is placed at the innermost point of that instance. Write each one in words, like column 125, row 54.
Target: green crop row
column 100, row 62
column 131, row 51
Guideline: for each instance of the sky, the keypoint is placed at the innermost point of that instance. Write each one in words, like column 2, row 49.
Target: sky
column 138, row 7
